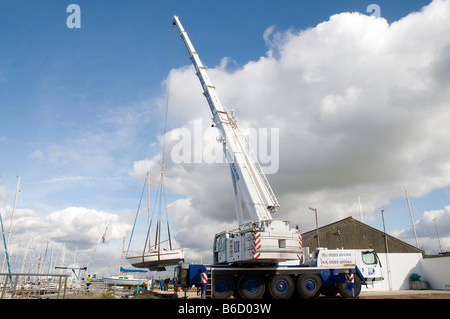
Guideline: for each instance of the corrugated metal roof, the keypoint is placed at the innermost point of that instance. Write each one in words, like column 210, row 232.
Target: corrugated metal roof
column 349, row 233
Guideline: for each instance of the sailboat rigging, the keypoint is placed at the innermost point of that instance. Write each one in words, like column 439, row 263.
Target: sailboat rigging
column 154, row 256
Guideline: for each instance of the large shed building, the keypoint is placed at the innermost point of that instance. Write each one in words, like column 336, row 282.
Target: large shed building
column 349, row 233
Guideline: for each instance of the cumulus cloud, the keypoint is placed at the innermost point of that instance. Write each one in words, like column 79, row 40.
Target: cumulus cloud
column 78, row 228
column 82, row 226
column 361, row 106
column 433, row 224
column 195, row 231
column 75, row 226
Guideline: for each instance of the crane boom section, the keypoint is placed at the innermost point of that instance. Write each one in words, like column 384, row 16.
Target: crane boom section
column 252, row 190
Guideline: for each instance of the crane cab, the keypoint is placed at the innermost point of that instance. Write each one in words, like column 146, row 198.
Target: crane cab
column 220, row 243
column 268, row 241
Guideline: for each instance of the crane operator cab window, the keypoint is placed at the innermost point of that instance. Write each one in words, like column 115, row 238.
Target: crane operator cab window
column 220, row 245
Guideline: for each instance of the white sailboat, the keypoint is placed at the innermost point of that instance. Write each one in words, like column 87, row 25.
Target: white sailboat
column 155, row 257
column 157, row 261
column 123, row 279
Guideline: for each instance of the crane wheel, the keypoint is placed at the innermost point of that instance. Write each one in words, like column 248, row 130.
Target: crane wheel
column 223, row 287
column 309, row 286
column 347, row 291
column 251, row 287
column 280, row 286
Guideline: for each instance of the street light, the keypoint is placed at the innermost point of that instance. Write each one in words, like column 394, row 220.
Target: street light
column 317, row 226
column 387, row 251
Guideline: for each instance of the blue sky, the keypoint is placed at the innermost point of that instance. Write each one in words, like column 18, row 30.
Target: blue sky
column 80, row 107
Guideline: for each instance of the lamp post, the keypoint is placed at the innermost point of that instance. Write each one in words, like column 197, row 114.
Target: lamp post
column 387, row 250
column 317, row 226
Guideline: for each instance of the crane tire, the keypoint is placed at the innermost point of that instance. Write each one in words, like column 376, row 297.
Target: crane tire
column 251, row 287
column 345, row 289
column 223, row 287
column 309, row 286
column 280, row 286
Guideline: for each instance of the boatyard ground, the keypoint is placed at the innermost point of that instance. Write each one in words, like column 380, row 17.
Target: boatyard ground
column 395, row 294
column 406, row 294
column 193, row 294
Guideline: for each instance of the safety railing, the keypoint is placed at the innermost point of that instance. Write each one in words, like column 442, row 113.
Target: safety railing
column 32, row 285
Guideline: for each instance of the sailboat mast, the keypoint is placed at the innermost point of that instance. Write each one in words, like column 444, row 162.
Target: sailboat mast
column 167, row 217
column 63, row 256
column 14, row 208
column 148, row 206
column 121, row 258
column 412, row 219
column 6, row 253
column 360, row 210
column 12, row 218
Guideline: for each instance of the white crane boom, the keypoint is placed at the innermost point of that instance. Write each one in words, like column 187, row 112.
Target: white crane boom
column 252, row 190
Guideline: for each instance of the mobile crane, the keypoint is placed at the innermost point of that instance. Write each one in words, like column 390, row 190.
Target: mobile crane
column 263, row 239
column 263, row 250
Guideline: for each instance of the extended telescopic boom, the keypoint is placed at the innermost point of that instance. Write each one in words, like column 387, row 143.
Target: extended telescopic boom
column 252, row 190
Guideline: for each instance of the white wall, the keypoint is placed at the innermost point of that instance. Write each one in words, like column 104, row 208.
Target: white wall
column 402, row 265
column 436, row 271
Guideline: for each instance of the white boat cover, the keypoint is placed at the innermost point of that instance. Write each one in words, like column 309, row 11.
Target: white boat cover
column 157, row 262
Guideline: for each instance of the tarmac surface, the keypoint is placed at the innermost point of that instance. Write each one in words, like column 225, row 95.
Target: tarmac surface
column 406, row 294
column 394, row 294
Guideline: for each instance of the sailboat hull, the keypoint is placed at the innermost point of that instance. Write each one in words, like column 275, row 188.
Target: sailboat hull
column 123, row 280
column 157, row 262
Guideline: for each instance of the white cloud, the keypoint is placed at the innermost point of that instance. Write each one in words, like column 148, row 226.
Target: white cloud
column 362, row 108
column 38, row 154
column 428, row 231
column 3, row 193
column 62, row 154
column 79, row 228
column 58, row 154
column 195, row 228
column 68, row 224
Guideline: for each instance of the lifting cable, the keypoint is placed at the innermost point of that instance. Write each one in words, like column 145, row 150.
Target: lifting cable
column 161, row 189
